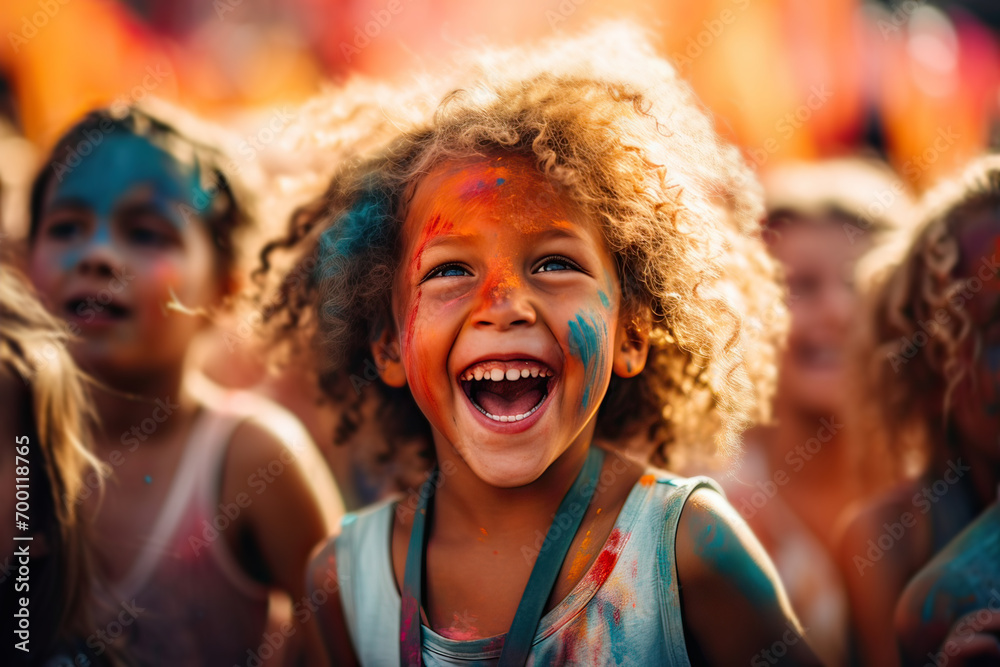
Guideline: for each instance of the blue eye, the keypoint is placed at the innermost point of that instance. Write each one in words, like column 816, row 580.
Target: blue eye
column 557, row 264
column 447, row 271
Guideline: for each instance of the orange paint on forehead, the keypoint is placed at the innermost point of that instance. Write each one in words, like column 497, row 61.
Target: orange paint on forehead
column 508, row 190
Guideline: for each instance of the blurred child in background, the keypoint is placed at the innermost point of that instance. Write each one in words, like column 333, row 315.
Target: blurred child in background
column 930, row 386
column 962, row 228
column 44, row 463
column 513, row 280
column 133, row 239
column 796, row 476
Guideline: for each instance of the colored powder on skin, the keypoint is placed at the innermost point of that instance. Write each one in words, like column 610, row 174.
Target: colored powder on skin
column 436, row 227
column 581, row 559
column 499, row 284
column 716, row 544
column 461, row 628
column 604, row 299
column 587, row 337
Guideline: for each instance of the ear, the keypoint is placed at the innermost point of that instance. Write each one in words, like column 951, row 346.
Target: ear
column 631, row 345
column 388, row 358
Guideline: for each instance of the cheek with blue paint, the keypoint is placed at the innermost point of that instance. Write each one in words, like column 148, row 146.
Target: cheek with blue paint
column 588, row 342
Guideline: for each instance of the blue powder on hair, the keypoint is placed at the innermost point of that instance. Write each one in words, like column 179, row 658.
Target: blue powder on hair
column 356, row 230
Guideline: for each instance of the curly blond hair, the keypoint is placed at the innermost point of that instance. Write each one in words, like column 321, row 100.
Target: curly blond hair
column 610, row 123
column 910, row 355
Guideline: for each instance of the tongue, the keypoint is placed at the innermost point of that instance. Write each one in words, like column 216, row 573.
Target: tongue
column 508, row 398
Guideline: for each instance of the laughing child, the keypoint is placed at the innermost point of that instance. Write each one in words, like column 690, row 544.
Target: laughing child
column 933, row 383
column 133, row 240
column 530, row 273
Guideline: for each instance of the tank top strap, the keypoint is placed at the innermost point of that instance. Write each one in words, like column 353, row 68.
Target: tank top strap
column 207, row 496
column 676, row 492
column 207, row 427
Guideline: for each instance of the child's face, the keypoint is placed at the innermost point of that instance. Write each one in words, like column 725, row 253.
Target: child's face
column 819, row 259
column 977, row 403
column 503, row 278
column 112, row 243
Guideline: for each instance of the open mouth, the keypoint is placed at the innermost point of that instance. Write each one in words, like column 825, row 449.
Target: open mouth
column 91, row 308
column 507, row 391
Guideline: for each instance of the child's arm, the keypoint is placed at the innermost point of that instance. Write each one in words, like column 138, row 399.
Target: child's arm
column 734, row 607
column 328, row 620
column 288, row 514
column 875, row 579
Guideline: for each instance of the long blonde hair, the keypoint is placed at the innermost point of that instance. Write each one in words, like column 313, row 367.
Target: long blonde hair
column 33, row 346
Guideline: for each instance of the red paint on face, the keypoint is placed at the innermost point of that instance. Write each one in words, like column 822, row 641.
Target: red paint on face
column 436, row 227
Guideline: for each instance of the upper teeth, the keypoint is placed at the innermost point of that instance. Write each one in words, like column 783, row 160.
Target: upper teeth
column 503, row 370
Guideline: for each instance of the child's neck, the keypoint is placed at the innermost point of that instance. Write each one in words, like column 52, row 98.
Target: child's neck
column 124, row 403
column 465, row 502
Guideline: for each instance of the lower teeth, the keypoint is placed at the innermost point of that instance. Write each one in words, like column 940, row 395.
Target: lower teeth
column 511, row 418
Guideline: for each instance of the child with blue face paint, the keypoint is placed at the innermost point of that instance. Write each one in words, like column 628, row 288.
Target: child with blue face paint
column 525, row 279
column 934, row 359
column 208, row 510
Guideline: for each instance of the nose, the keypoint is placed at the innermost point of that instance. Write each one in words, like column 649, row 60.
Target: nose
column 504, row 301
column 99, row 254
